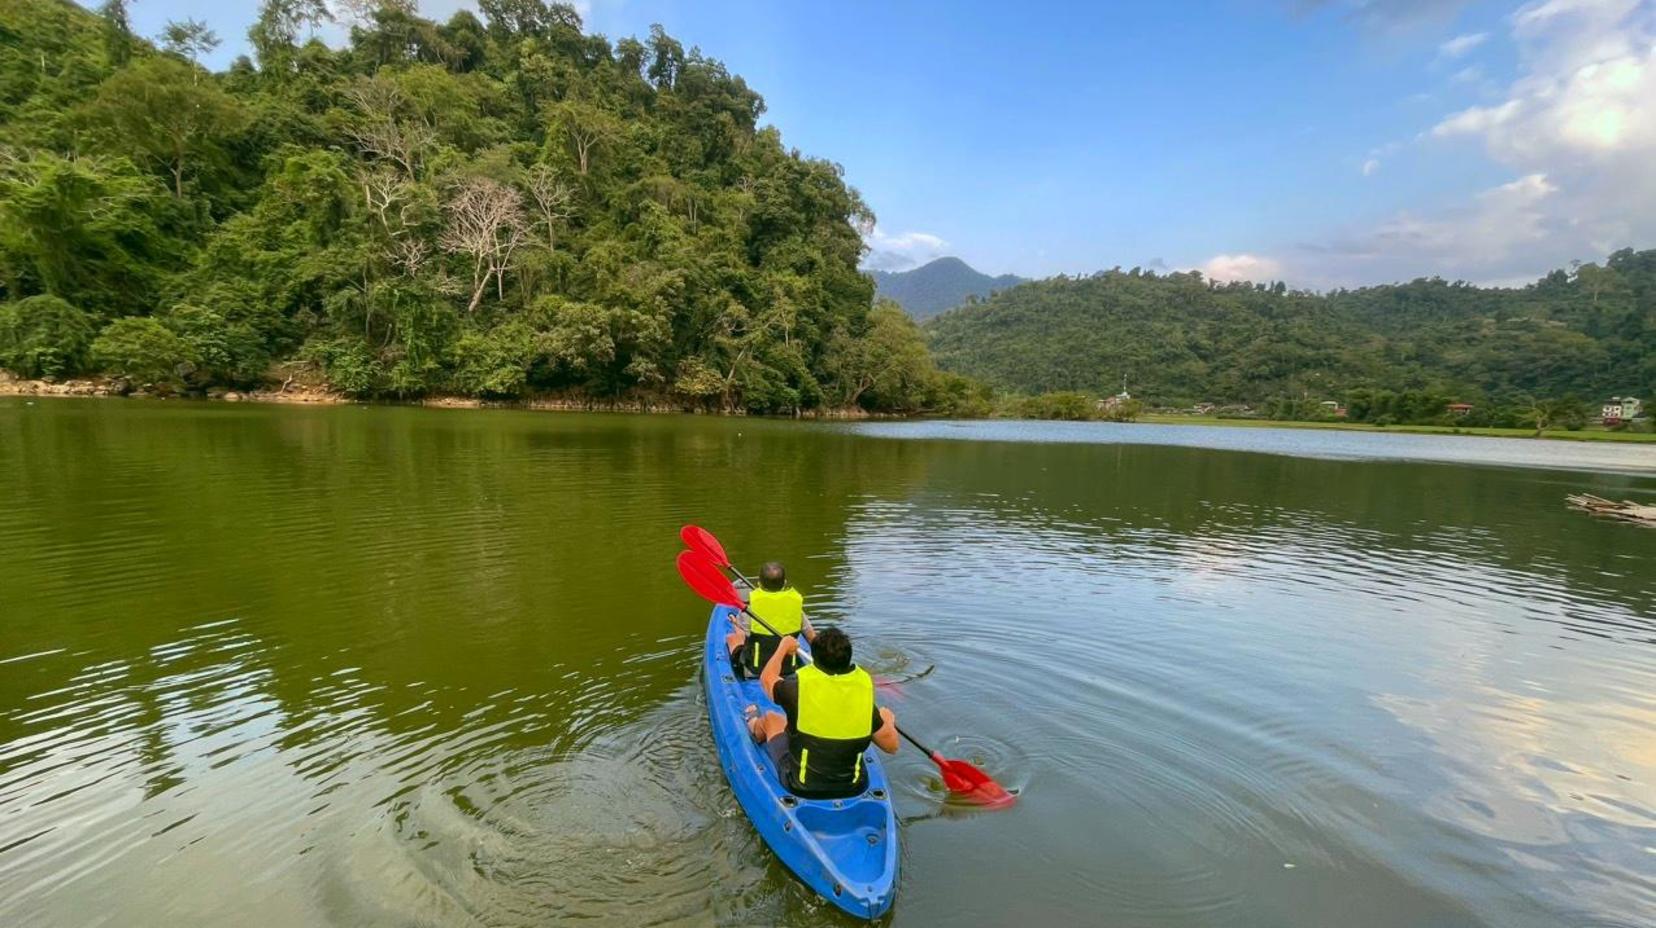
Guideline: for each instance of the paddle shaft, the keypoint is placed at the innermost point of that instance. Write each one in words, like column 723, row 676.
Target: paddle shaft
column 806, row 658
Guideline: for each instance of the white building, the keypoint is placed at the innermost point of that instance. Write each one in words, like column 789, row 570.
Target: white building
column 1619, row 409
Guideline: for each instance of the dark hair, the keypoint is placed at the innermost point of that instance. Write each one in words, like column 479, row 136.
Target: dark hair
column 772, row 576
column 832, row 650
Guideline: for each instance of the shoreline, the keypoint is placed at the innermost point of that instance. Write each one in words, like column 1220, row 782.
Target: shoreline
column 297, row 395
column 1584, row 435
column 310, row 395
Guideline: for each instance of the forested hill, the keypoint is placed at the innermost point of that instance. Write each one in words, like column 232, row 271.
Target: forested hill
column 934, row 287
column 1179, row 338
column 489, row 205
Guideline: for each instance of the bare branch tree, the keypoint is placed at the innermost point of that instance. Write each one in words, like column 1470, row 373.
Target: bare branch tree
column 384, row 190
column 387, row 128
column 554, row 200
column 411, row 254
column 486, row 224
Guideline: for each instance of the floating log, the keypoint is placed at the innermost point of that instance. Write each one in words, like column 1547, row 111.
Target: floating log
column 1613, row 509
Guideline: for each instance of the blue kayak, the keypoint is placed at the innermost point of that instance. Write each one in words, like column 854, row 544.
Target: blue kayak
column 845, row 849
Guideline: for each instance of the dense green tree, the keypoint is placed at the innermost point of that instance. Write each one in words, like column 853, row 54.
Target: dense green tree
column 188, row 38
column 157, row 110
column 85, row 229
column 44, row 336
column 117, row 31
column 144, row 350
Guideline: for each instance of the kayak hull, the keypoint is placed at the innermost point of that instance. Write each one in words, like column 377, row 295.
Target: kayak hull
column 844, row 849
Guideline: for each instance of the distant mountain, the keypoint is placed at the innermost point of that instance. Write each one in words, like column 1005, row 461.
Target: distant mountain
column 943, row 284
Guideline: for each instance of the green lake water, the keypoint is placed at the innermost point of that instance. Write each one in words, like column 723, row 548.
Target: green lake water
column 365, row 666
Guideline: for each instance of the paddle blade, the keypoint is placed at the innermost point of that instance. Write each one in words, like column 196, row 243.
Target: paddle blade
column 966, row 782
column 700, row 539
column 704, row 577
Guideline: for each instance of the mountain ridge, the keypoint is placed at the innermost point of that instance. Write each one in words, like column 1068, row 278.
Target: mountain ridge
column 939, row 285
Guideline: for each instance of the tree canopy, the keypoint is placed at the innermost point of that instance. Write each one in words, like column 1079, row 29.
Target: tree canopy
column 1178, row 338
column 493, row 205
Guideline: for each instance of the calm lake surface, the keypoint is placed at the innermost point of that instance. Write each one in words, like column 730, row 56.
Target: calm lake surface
column 394, row 667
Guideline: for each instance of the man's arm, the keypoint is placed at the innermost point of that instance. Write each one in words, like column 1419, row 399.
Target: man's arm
column 805, row 626
column 885, row 737
column 773, row 667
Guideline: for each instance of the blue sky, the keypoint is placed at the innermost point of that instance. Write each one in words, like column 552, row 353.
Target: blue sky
column 1325, row 143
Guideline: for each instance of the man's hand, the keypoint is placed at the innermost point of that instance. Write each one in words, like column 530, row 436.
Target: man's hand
column 773, row 667
column 886, row 737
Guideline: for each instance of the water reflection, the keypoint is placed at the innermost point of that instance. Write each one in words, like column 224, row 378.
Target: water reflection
column 391, row 666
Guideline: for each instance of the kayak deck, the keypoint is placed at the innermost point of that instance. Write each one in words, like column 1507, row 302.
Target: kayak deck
column 844, row 849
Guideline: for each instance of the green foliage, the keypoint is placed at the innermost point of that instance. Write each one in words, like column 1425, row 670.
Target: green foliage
column 159, row 111
column 1566, row 413
column 143, row 350
column 84, row 229
column 350, row 364
column 1072, row 406
column 1121, row 411
column 1182, row 339
column 496, row 362
column 224, row 350
column 1061, row 404
column 497, row 208
column 44, row 336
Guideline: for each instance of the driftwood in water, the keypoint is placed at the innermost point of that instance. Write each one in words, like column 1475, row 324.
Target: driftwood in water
column 1615, row 509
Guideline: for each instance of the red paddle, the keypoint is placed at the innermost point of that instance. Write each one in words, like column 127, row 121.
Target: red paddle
column 962, row 778
column 700, row 539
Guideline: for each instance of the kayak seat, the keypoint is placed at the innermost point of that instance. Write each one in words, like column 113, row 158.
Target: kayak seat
column 854, row 834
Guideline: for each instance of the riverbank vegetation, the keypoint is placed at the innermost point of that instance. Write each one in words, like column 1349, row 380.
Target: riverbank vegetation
column 1182, row 340
column 495, row 206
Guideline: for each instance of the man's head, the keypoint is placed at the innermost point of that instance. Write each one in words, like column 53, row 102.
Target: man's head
column 832, row 650
column 772, row 577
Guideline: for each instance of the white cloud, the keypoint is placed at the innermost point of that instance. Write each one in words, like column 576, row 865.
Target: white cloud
column 1461, row 44
column 1370, row 166
column 901, row 251
column 1242, row 267
column 1588, row 93
column 1576, row 129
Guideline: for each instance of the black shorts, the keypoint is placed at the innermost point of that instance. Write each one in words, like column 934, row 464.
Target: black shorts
column 777, row 748
column 742, row 660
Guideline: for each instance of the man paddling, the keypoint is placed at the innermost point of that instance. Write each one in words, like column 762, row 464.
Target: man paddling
column 827, row 721
column 783, row 609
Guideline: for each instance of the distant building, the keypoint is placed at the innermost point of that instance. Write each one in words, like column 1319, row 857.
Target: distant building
column 1619, row 409
column 1111, row 402
column 1459, row 409
column 1333, row 408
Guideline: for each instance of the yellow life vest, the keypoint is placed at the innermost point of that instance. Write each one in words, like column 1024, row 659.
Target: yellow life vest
column 834, row 725
column 783, row 610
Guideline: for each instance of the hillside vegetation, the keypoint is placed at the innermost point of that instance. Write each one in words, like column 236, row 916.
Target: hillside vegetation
column 1179, row 338
column 936, row 286
column 490, row 205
